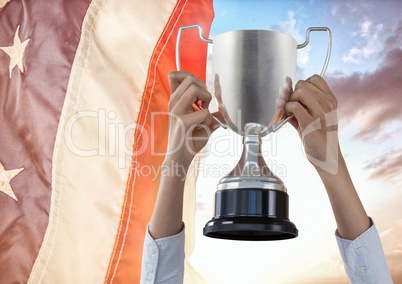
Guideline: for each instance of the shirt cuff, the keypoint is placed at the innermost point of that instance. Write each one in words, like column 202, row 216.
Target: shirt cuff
column 364, row 258
column 163, row 259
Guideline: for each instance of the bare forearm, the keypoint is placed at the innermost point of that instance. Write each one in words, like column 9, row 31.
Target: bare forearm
column 350, row 215
column 167, row 216
column 185, row 140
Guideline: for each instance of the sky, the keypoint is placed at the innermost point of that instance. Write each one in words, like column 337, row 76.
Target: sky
column 365, row 74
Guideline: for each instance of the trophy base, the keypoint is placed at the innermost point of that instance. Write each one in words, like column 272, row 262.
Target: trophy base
column 250, row 229
column 251, row 214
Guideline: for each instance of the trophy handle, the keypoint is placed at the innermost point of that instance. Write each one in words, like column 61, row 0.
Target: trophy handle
column 181, row 29
column 329, row 48
column 275, row 127
column 178, row 65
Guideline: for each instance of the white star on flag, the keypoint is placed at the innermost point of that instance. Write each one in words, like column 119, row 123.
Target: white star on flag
column 5, row 178
column 3, row 3
column 16, row 52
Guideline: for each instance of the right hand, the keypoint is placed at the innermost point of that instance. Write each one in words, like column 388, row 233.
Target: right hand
column 189, row 128
column 314, row 108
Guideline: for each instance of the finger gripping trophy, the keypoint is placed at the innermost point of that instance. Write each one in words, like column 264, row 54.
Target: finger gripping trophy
column 253, row 72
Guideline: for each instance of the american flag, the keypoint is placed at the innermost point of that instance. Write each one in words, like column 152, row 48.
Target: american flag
column 80, row 83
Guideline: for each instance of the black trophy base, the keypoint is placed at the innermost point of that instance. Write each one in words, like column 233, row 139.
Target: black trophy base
column 251, row 215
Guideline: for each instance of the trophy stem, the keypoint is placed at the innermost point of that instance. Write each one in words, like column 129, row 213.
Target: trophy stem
column 251, row 203
column 252, row 162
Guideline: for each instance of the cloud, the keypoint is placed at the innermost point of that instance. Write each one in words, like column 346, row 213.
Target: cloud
column 392, row 246
column 289, row 27
column 343, row 10
column 395, row 270
column 369, row 35
column 373, row 99
column 386, row 167
column 391, row 239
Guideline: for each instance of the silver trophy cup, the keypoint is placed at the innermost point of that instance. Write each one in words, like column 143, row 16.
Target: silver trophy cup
column 252, row 70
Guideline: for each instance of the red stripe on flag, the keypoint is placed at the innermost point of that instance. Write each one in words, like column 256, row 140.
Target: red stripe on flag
column 141, row 190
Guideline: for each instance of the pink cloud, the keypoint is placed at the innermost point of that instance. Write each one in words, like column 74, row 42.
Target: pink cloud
column 373, row 98
column 386, row 167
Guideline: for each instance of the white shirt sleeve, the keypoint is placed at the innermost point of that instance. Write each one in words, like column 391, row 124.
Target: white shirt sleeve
column 364, row 259
column 163, row 259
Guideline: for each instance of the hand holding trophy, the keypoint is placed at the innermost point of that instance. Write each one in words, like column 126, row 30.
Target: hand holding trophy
column 253, row 71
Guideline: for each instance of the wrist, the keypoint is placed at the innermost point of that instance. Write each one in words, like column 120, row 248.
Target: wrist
column 173, row 168
column 331, row 165
column 178, row 160
column 338, row 182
